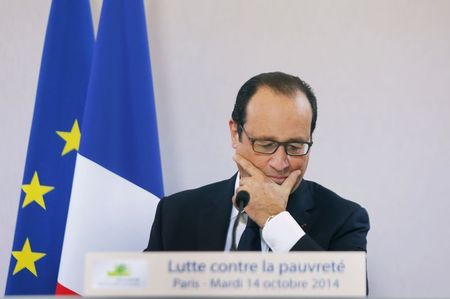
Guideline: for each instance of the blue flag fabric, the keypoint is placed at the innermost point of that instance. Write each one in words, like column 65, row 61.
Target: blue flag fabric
column 118, row 178
column 120, row 129
column 51, row 156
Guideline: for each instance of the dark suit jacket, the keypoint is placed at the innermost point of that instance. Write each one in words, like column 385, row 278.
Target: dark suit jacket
column 198, row 220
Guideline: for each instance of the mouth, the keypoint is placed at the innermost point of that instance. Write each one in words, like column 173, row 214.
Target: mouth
column 278, row 179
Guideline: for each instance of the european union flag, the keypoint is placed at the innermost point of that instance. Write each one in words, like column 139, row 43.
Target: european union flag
column 54, row 141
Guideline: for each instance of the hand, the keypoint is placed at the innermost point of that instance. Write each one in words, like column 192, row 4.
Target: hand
column 267, row 198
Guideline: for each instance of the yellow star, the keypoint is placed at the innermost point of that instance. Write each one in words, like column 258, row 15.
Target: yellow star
column 72, row 138
column 35, row 192
column 26, row 258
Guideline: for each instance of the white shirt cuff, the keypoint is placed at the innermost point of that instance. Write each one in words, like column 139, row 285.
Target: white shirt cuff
column 282, row 232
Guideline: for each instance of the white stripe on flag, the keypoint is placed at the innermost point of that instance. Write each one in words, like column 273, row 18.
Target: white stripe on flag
column 106, row 213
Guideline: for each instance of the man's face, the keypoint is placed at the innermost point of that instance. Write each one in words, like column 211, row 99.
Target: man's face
column 274, row 116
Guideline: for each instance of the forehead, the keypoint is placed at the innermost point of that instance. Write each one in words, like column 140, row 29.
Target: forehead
column 272, row 114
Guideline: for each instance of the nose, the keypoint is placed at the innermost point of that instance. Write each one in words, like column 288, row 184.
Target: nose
column 279, row 160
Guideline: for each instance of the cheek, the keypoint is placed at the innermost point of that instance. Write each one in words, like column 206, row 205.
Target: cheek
column 243, row 149
column 258, row 160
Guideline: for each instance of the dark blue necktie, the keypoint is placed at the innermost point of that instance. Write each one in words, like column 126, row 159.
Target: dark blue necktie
column 250, row 239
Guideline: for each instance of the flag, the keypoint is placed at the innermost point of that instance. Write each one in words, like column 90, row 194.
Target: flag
column 51, row 155
column 117, row 181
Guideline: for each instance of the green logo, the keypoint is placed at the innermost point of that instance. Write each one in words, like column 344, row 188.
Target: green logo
column 119, row 270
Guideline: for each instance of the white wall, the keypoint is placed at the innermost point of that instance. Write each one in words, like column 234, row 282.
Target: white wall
column 381, row 71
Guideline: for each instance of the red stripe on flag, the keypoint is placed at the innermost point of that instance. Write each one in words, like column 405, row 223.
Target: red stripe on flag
column 63, row 291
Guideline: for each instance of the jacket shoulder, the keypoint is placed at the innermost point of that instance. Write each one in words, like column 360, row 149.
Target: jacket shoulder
column 325, row 197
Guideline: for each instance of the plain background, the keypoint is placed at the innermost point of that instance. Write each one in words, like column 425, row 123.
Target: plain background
column 381, row 72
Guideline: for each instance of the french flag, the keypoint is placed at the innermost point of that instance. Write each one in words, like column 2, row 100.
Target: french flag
column 117, row 180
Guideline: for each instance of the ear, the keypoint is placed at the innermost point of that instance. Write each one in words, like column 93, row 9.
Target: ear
column 233, row 133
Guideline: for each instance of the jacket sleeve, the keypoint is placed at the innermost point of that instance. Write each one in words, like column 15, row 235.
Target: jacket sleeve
column 350, row 236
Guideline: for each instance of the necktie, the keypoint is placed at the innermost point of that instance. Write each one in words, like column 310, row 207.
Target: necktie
column 250, row 239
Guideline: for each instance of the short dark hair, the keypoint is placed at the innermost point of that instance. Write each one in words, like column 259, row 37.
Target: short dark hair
column 277, row 81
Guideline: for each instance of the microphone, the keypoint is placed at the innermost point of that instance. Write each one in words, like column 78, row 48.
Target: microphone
column 242, row 199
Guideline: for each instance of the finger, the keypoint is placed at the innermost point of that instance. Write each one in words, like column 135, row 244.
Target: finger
column 247, row 166
column 291, row 180
column 245, row 181
column 242, row 181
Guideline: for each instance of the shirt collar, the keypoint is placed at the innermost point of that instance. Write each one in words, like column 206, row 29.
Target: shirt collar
column 235, row 211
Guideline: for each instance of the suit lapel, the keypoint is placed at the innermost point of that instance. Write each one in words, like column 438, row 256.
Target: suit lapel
column 300, row 204
column 214, row 219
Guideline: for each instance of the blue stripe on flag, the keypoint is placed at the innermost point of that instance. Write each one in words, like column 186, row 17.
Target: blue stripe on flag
column 120, row 128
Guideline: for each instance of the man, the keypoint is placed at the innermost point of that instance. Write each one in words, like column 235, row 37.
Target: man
column 271, row 131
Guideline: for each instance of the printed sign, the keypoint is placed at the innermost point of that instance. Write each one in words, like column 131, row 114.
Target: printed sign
column 226, row 274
